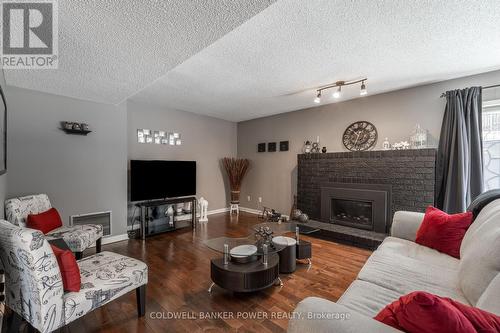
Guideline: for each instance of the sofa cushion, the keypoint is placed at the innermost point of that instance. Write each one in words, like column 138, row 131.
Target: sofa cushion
column 404, row 275
column 105, row 276
column 443, row 232
column 367, row 298
column 421, row 312
column 403, row 247
column 45, row 221
column 78, row 237
column 480, row 252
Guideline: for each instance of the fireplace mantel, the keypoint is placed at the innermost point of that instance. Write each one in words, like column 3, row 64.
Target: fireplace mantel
column 409, row 173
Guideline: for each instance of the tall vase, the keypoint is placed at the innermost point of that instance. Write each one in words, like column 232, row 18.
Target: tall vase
column 235, row 197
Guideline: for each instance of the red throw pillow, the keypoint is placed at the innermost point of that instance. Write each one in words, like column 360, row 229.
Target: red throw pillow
column 421, row 312
column 45, row 222
column 443, row 232
column 68, row 266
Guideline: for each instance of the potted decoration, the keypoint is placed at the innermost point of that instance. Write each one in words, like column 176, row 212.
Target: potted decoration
column 236, row 168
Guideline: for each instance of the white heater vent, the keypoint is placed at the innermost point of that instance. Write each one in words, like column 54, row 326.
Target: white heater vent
column 102, row 218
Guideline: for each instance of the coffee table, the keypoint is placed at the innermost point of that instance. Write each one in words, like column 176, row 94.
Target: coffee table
column 247, row 265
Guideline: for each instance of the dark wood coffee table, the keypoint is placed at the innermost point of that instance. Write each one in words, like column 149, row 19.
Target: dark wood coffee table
column 244, row 278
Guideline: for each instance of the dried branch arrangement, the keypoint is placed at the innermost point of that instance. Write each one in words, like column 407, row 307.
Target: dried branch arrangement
column 236, row 168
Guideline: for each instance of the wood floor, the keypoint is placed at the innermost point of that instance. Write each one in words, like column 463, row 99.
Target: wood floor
column 179, row 276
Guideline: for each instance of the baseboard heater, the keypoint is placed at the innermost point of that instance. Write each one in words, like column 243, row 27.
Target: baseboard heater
column 102, row 218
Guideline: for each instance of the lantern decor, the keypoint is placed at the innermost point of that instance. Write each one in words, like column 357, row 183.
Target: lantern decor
column 236, row 168
column 418, row 139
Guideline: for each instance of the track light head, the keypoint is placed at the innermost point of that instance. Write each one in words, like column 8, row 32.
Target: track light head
column 363, row 90
column 317, row 100
column 337, row 93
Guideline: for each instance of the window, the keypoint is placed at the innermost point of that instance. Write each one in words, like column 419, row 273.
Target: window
column 491, row 144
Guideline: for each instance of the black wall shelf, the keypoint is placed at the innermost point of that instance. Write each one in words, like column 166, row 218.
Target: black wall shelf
column 75, row 131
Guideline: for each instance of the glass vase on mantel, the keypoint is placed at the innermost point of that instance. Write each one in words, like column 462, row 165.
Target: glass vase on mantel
column 418, row 139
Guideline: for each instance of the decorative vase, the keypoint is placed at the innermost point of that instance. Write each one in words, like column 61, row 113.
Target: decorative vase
column 323, row 150
column 386, row 145
column 235, row 197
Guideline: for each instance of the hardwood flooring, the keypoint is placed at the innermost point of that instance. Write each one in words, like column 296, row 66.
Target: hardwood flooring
column 179, row 276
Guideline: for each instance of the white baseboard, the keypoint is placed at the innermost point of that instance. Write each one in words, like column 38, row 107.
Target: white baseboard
column 250, row 210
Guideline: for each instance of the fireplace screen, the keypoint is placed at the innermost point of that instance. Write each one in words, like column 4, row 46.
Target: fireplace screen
column 352, row 213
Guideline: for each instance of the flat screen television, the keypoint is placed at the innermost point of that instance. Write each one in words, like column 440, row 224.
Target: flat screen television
column 150, row 180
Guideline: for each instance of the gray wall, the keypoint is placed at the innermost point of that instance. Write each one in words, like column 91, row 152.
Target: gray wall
column 80, row 174
column 273, row 176
column 205, row 140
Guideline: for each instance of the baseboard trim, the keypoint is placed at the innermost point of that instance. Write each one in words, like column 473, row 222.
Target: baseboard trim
column 250, row 210
column 217, row 211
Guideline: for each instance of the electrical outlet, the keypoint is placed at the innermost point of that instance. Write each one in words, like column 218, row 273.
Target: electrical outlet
column 249, row 199
column 260, row 199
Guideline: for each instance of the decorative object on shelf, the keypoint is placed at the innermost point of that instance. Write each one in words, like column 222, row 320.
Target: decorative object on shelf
column 337, row 93
column 283, row 145
column 170, row 215
column 271, row 147
column 303, row 218
column 315, row 147
column 418, row 139
column 261, row 148
column 236, row 168
column 187, row 207
column 75, row 128
column 323, row 150
column 307, row 147
column 361, row 135
column 386, row 144
column 203, row 203
column 401, row 145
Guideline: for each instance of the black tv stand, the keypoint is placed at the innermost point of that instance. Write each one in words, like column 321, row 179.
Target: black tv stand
column 152, row 226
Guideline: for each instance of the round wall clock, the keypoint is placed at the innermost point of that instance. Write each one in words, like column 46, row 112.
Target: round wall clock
column 361, row 135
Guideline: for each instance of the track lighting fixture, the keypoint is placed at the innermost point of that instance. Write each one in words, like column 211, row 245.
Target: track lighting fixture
column 363, row 90
column 317, row 100
column 338, row 91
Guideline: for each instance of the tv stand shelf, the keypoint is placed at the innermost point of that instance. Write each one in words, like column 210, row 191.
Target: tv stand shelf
column 154, row 220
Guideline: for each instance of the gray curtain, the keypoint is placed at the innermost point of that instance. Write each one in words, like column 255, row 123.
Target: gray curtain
column 459, row 173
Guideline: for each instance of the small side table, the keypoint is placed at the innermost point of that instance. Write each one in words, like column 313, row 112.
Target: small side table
column 235, row 207
column 304, row 250
column 247, row 277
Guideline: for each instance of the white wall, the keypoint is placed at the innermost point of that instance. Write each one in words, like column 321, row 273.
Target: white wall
column 273, row 176
column 81, row 174
column 205, row 140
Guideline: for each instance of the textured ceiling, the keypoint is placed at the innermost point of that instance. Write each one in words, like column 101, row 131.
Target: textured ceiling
column 270, row 63
column 110, row 49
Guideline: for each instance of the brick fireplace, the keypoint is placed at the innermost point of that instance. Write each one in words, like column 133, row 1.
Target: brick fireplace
column 362, row 190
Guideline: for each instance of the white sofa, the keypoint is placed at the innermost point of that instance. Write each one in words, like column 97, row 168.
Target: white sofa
column 400, row 266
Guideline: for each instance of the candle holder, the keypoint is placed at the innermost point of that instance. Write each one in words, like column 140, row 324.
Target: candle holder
column 226, row 254
column 265, row 256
